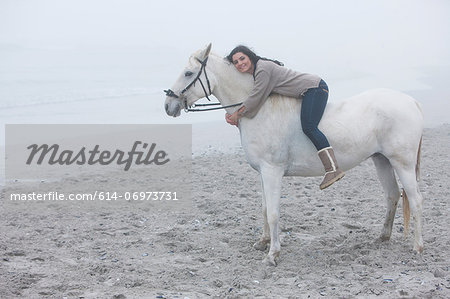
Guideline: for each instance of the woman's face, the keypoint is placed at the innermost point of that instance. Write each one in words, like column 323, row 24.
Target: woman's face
column 242, row 63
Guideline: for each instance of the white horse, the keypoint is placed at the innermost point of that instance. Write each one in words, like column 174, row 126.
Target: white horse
column 381, row 124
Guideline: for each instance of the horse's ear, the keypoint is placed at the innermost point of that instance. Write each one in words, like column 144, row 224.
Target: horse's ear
column 205, row 53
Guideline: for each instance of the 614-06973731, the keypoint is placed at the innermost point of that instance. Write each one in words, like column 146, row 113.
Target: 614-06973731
column 97, row 195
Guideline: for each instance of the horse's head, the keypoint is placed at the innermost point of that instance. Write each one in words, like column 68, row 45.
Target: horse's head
column 186, row 90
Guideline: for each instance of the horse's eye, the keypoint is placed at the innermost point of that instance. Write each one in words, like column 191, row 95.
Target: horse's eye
column 188, row 74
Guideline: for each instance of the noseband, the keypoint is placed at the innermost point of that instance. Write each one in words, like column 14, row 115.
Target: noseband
column 172, row 94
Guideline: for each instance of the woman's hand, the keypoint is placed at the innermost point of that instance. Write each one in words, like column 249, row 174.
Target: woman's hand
column 233, row 119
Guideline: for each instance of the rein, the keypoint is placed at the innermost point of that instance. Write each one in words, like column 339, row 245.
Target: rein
column 187, row 108
column 209, row 109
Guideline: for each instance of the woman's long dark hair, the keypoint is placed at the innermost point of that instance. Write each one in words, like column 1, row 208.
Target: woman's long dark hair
column 251, row 55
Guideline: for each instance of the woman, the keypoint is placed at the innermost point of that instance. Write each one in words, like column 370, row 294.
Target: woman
column 271, row 77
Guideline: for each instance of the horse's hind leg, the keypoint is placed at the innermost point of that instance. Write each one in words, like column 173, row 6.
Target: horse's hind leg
column 391, row 191
column 407, row 175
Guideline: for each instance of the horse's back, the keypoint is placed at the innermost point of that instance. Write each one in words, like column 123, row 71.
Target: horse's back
column 377, row 113
column 378, row 103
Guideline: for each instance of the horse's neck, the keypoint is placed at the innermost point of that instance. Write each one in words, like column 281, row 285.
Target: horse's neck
column 231, row 87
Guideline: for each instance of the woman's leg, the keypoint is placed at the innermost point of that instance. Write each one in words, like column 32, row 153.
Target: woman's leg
column 313, row 106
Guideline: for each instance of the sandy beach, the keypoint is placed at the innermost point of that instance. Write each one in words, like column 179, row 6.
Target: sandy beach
column 135, row 249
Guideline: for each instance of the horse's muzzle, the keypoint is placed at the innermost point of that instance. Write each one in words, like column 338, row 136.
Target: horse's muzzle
column 173, row 107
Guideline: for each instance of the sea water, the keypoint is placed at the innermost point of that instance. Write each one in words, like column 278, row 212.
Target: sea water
column 92, row 86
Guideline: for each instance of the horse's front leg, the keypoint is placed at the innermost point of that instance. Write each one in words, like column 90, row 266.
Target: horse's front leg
column 265, row 238
column 271, row 177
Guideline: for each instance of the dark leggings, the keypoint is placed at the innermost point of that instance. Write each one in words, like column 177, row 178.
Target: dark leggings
column 313, row 105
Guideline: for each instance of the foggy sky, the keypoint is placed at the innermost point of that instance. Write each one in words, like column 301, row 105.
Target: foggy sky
column 348, row 38
column 400, row 31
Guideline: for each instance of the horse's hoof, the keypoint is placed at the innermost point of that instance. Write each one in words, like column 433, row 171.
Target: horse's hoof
column 418, row 248
column 270, row 261
column 384, row 238
column 271, row 258
column 260, row 245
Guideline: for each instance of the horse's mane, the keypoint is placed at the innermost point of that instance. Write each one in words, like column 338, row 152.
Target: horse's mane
column 282, row 105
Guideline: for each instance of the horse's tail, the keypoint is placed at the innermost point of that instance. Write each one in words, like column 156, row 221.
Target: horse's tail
column 420, row 145
column 418, row 160
column 406, row 213
column 406, row 209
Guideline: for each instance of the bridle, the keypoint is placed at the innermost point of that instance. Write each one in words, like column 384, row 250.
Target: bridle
column 187, row 108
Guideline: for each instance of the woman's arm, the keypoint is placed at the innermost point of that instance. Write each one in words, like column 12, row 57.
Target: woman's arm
column 259, row 94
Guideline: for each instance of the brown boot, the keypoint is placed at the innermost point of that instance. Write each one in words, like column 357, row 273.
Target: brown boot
column 332, row 171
